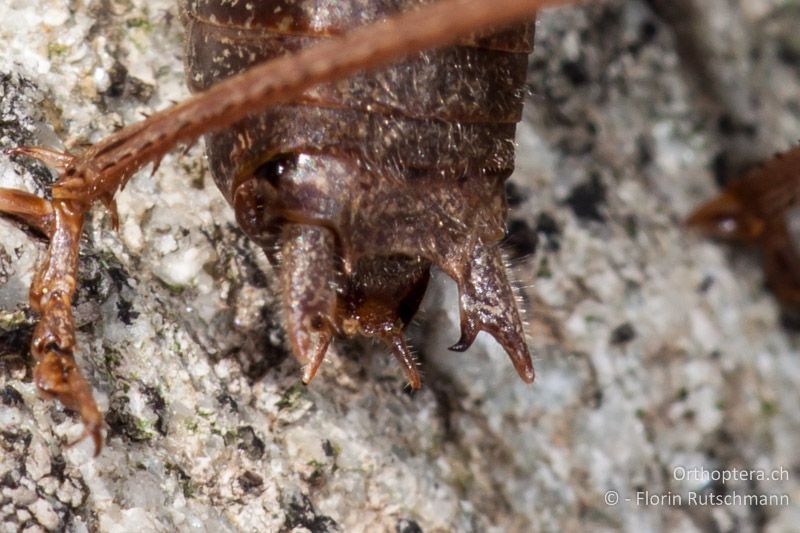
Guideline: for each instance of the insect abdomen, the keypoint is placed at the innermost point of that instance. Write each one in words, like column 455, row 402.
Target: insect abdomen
column 386, row 173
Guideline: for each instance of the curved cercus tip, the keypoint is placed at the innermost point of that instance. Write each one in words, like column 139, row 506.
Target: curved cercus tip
column 487, row 304
column 317, row 348
column 512, row 343
column 468, row 334
column 460, row 346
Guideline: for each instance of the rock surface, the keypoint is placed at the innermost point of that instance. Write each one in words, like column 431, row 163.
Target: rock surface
column 657, row 353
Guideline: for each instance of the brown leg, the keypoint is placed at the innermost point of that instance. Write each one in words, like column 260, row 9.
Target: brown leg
column 34, row 211
column 53, row 344
column 99, row 172
column 58, row 161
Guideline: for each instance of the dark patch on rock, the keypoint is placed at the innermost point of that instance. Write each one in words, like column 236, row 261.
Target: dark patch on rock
column 644, row 147
column 789, row 53
column 17, row 340
column 706, row 284
column 790, row 320
column 300, row 512
column 117, row 273
column 99, row 276
column 272, row 350
column 721, row 170
column 328, row 449
column 631, row 224
column 648, row 31
column 22, row 106
column 250, row 443
column 94, row 283
column 11, row 397
column 405, row 525
column 514, row 195
column 251, row 482
column 119, row 279
column 575, row 72
column 623, row 334
column 125, row 311
column 5, row 266
column 225, row 399
column 548, row 226
column 11, row 479
column 123, row 85
column 245, row 259
column 587, row 198
column 184, row 479
column 58, row 466
column 521, row 240
column 597, row 399
column 728, row 125
column 19, row 98
column 121, row 423
column 156, row 402
column 20, row 439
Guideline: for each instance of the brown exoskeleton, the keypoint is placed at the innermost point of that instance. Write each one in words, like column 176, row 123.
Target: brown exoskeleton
column 358, row 225
column 761, row 209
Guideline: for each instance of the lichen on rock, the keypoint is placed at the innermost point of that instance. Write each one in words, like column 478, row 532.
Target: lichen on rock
column 655, row 351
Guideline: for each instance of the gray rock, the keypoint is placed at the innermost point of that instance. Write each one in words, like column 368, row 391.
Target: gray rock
column 658, row 354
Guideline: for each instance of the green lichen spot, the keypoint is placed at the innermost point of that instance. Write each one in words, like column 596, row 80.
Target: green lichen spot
column 291, row 397
column 55, row 50
column 769, row 408
column 10, row 320
column 140, row 23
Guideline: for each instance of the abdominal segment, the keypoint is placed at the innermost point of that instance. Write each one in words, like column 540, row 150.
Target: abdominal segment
column 356, row 250
column 359, row 187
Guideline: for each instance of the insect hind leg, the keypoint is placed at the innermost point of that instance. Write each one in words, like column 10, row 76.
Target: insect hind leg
column 53, row 345
column 34, row 211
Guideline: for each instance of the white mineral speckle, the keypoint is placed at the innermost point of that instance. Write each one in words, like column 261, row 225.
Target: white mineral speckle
column 44, row 514
column 101, row 79
column 654, row 350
